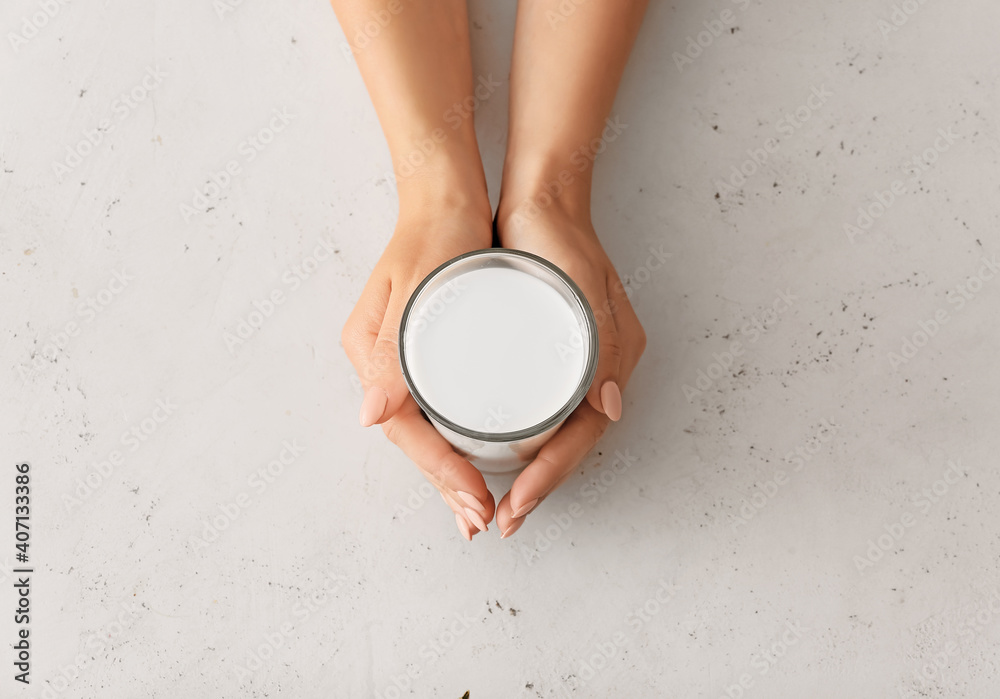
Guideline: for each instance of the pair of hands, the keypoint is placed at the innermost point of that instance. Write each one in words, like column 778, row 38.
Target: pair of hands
column 422, row 242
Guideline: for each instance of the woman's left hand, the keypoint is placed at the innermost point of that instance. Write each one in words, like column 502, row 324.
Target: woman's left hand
column 573, row 246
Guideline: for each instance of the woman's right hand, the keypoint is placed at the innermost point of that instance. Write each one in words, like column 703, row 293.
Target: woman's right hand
column 421, row 242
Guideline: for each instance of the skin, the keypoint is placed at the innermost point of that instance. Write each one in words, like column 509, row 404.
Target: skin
column 416, row 69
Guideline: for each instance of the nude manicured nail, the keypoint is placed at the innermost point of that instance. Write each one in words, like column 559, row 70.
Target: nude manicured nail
column 472, row 501
column 477, row 519
column 525, row 508
column 611, row 400
column 373, row 406
column 511, row 528
column 463, row 527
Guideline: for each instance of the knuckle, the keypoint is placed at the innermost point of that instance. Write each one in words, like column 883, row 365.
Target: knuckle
column 447, row 469
column 596, row 429
column 545, row 456
column 348, row 333
column 437, row 481
column 385, row 354
column 368, row 373
column 640, row 341
column 612, row 348
column 391, row 429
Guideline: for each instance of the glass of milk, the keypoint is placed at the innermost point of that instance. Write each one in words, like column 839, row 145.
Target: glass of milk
column 498, row 347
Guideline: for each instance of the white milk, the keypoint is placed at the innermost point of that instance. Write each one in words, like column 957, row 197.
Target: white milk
column 495, row 350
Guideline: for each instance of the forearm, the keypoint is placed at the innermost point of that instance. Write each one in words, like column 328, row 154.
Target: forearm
column 417, row 69
column 566, row 71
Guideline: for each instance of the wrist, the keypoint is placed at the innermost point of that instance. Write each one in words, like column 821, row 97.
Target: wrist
column 547, row 187
column 443, row 179
column 437, row 212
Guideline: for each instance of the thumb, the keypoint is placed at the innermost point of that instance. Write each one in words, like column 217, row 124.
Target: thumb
column 381, row 375
column 604, row 394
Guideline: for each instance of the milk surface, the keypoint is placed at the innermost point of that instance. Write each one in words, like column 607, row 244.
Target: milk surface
column 495, row 350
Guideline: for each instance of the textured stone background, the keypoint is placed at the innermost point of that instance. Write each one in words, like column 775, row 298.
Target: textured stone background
column 718, row 554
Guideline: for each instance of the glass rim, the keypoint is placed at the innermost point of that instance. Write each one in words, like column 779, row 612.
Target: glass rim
column 591, row 343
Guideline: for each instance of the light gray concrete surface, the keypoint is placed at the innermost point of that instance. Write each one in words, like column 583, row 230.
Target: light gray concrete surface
column 802, row 512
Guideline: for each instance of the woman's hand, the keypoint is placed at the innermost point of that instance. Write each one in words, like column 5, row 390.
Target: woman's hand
column 421, row 242
column 570, row 243
column 419, row 75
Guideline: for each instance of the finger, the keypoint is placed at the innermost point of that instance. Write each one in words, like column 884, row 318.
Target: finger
column 466, row 527
column 556, row 460
column 370, row 338
column 385, row 388
column 459, row 482
column 630, row 330
column 363, row 324
column 359, row 336
column 506, row 523
column 604, row 394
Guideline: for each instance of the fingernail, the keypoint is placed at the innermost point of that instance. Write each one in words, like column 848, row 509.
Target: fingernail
column 373, row 406
column 611, row 400
column 472, row 501
column 463, row 527
column 476, row 519
column 511, row 528
column 525, row 508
